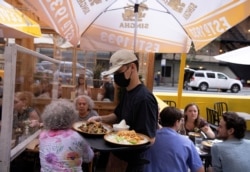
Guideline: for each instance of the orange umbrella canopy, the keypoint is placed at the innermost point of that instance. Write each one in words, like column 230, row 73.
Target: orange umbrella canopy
column 15, row 24
column 141, row 25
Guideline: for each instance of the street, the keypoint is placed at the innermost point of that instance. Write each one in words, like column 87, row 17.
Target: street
column 244, row 92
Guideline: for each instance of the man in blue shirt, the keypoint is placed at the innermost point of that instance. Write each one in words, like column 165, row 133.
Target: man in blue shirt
column 171, row 151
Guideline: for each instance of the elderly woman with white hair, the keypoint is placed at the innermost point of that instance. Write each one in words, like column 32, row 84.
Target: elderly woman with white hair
column 61, row 148
column 84, row 105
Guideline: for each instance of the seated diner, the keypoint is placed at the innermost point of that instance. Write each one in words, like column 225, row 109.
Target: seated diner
column 194, row 123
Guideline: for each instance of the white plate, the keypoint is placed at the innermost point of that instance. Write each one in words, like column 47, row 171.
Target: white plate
column 113, row 138
column 210, row 143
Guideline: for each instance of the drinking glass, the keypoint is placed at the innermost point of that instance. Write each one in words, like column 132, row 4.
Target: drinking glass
column 198, row 141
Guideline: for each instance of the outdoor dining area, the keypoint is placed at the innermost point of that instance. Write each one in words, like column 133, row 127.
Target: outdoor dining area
column 26, row 147
column 58, row 78
column 104, row 143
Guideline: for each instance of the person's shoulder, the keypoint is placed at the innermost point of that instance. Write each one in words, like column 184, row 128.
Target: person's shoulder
column 185, row 139
column 202, row 122
column 220, row 145
column 72, row 132
column 141, row 93
column 186, row 143
column 144, row 90
column 202, row 119
column 94, row 112
column 246, row 141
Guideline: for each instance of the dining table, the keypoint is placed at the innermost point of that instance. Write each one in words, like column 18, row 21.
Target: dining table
column 205, row 151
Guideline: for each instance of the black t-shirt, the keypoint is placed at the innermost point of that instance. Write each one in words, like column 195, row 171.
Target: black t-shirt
column 139, row 108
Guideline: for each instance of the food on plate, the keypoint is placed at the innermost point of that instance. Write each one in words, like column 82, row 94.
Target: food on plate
column 208, row 143
column 121, row 126
column 196, row 130
column 129, row 136
column 93, row 127
column 126, row 137
column 194, row 134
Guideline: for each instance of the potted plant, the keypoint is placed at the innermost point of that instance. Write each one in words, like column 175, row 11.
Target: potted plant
column 97, row 70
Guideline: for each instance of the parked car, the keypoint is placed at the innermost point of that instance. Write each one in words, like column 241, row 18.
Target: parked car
column 63, row 70
column 205, row 79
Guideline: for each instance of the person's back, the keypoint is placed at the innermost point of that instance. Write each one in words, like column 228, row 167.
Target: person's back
column 62, row 150
column 233, row 155
column 109, row 91
column 60, row 147
column 171, row 151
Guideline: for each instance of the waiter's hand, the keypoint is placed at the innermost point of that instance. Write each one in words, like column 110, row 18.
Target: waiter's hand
column 95, row 118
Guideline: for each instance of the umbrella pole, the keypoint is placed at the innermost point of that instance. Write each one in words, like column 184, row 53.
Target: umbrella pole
column 136, row 8
column 181, row 78
column 74, row 66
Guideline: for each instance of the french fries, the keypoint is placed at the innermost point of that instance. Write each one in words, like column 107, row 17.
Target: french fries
column 130, row 136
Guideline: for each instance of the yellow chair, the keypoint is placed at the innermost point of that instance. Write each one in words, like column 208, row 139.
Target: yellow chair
column 220, row 107
column 170, row 103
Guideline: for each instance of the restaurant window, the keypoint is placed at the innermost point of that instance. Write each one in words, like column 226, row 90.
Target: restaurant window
column 166, row 71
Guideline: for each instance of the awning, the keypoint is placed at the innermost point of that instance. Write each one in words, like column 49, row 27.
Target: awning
column 15, row 24
column 238, row 56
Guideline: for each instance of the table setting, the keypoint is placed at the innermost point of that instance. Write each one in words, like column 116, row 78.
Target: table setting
column 118, row 137
column 203, row 146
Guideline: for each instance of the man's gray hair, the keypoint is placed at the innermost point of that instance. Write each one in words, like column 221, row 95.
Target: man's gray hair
column 59, row 114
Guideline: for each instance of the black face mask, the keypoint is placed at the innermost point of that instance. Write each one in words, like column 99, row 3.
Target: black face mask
column 120, row 80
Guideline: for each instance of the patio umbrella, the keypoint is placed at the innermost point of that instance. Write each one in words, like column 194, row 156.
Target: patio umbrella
column 162, row 26
column 140, row 25
column 15, row 24
column 238, row 56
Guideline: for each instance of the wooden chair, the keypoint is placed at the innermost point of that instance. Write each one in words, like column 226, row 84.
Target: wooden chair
column 212, row 118
column 170, row 103
column 220, row 107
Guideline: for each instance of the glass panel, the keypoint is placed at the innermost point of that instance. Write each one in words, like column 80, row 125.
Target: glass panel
column 36, row 84
column 89, row 64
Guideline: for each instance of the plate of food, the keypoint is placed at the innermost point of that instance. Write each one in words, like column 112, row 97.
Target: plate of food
column 126, row 138
column 92, row 128
column 194, row 134
column 207, row 143
column 210, row 143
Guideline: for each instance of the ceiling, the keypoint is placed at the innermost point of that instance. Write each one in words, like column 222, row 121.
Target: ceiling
column 236, row 37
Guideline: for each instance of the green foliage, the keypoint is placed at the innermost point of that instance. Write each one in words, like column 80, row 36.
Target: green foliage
column 97, row 71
